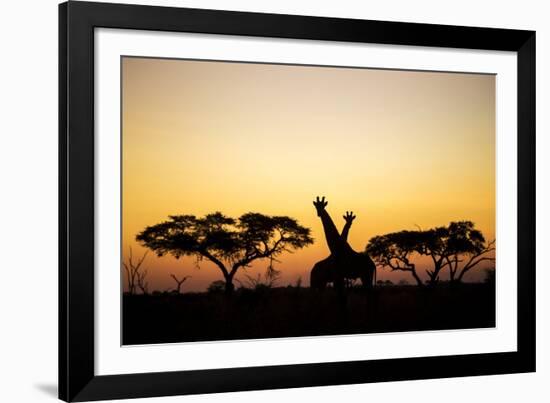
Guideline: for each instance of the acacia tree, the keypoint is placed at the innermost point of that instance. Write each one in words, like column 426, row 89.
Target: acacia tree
column 459, row 247
column 231, row 244
column 394, row 250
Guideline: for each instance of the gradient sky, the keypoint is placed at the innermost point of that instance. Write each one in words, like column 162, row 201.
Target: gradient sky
column 399, row 148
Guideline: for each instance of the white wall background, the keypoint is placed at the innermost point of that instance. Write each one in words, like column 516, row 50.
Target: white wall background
column 28, row 198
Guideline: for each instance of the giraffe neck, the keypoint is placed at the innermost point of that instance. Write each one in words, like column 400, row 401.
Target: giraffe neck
column 334, row 241
column 345, row 231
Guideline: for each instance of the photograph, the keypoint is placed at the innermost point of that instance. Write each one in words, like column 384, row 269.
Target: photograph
column 251, row 200
column 276, row 200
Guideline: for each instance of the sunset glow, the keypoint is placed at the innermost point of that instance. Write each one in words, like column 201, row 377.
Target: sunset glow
column 401, row 149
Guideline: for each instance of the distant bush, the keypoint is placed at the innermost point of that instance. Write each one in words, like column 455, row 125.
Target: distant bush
column 384, row 283
column 490, row 276
column 216, row 286
column 403, row 282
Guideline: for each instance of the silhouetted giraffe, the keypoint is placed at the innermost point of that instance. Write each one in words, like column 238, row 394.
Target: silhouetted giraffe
column 323, row 271
column 343, row 262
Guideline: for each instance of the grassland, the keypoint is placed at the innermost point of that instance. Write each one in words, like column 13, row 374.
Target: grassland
column 292, row 312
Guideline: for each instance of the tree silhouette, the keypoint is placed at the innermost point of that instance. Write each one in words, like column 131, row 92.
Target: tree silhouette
column 433, row 243
column 458, row 246
column 141, row 283
column 179, row 282
column 229, row 243
column 135, row 277
column 394, row 250
column 466, row 245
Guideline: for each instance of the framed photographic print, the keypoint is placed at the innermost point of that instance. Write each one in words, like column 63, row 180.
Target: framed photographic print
column 255, row 201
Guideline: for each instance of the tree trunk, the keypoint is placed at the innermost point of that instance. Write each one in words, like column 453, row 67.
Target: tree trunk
column 229, row 287
column 434, row 276
column 418, row 279
column 455, row 280
column 433, row 281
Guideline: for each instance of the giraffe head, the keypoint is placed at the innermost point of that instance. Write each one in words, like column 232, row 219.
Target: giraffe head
column 320, row 205
column 349, row 217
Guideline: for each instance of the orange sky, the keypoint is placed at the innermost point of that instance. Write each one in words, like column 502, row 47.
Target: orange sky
column 398, row 148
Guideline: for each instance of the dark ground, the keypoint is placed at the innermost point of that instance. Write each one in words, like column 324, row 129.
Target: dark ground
column 291, row 312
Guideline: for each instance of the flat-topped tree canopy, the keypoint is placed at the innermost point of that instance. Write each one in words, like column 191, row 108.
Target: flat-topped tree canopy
column 227, row 242
column 459, row 247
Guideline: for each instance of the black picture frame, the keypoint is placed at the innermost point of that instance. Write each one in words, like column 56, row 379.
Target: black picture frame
column 77, row 379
